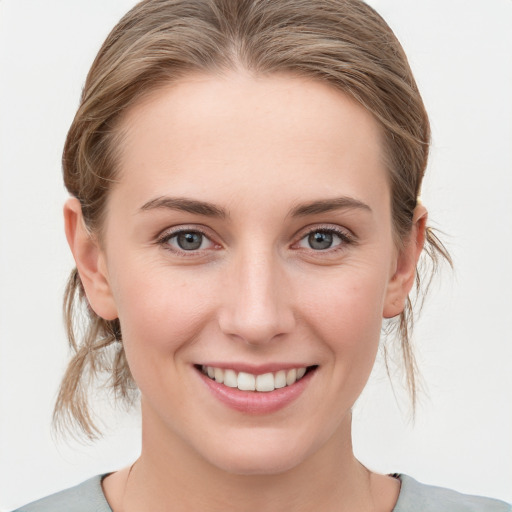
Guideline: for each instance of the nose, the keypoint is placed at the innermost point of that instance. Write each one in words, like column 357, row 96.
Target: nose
column 257, row 306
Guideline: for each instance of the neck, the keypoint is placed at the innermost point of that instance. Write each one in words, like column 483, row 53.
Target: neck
column 172, row 472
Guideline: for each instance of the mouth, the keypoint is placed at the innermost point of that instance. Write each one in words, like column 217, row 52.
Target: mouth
column 259, row 383
column 259, row 393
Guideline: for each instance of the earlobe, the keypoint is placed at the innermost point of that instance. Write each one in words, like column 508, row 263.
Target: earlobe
column 402, row 280
column 90, row 261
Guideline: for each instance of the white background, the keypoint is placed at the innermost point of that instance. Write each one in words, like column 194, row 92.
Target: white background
column 461, row 52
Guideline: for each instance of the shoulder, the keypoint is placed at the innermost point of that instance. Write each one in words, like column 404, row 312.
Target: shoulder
column 86, row 497
column 417, row 497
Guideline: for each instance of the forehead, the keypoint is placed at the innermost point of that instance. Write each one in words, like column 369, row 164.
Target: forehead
column 281, row 132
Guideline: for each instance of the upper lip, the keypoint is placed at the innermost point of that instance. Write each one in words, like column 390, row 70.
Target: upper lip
column 255, row 369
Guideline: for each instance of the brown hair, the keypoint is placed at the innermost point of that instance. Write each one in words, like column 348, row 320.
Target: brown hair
column 341, row 42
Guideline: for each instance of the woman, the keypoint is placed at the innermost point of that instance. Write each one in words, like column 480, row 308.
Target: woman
column 245, row 180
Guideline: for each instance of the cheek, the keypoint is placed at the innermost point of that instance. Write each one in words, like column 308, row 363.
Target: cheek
column 161, row 314
column 344, row 313
column 160, row 310
column 348, row 307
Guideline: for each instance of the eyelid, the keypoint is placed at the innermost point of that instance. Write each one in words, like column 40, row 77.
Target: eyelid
column 164, row 236
column 346, row 235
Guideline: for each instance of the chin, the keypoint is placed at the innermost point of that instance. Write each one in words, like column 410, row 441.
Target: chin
column 270, row 465
column 257, row 457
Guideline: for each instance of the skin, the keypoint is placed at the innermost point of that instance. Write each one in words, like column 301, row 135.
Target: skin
column 256, row 292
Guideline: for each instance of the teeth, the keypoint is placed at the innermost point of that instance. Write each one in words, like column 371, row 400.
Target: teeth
column 280, row 379
column 265, row 382
column 246, row 381
column 249, row 382
column 230, row 379
column 291, row 377
column 219, row 375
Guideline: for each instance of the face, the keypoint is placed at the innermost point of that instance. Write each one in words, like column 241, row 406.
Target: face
column 248, row 253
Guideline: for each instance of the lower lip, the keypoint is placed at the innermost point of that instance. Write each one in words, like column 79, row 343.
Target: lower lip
column 257, row 402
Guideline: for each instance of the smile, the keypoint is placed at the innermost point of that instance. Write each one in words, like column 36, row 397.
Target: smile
column 258, row 392
column 244, row 381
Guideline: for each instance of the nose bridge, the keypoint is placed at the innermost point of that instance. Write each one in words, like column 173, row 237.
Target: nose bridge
column 258, row 307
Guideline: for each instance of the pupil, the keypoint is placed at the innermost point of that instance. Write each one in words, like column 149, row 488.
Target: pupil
column 320, row 240
column 190, row 241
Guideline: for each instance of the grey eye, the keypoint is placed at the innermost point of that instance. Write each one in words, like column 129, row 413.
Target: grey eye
column 320, row 240
column 323, row 239
column 189, row 240
column 186, row 240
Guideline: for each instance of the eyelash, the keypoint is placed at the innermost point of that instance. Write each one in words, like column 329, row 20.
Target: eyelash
column 164, row 239
column 345, row 239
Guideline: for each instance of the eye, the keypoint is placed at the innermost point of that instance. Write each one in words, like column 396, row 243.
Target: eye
column 187, row 240
column 323, row 239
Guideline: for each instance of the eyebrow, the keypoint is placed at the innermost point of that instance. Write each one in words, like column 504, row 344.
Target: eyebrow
column 210, row 210
column 329, row 205
column 185, row 205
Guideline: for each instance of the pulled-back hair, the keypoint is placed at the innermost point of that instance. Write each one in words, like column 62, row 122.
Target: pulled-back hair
column 344, row 43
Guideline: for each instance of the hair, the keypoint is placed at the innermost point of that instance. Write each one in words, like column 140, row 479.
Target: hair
column 344, row 43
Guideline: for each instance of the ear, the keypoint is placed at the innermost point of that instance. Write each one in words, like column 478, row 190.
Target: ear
column 90, row 261
column 404, row 275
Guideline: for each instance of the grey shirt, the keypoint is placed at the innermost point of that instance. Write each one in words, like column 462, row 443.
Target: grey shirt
column 414, row 497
